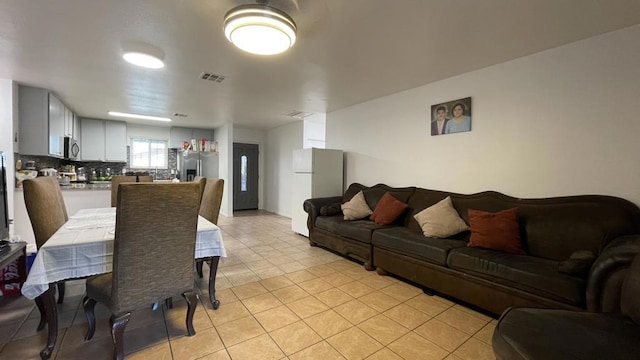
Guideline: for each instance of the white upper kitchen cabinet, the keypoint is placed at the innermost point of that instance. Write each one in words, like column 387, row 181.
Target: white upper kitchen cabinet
column 56, row 126
column 68, row 122
column 41, row 122
column 77, row 134
column 93, row 139
column 202, row 134
column 104, row 140
column 180, row 134
column 115, row 141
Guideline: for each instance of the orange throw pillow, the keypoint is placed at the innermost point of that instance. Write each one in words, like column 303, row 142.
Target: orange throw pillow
column 387, row 210
column 497, row 231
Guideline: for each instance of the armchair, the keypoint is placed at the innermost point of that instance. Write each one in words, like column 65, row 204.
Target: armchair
column 528, row 333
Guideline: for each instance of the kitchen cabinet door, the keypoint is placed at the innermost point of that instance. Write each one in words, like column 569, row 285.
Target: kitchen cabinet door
column 77, row 134
column 56, row 126
column 202, row 134
column 178, row 135
column 68, row 122
column 93, row 140
column 33, row 127
column 115, row 141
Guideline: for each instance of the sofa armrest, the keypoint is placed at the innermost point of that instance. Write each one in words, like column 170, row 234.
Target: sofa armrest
column 313, row 206
column 608, row 272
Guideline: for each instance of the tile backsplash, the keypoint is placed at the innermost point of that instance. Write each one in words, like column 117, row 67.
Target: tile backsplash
column 115, row 168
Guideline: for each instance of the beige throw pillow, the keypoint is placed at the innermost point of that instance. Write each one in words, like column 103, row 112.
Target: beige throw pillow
column 440, row 220
column 356, row 208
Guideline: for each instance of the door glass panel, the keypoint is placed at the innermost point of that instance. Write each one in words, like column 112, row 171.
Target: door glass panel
column 243, row 173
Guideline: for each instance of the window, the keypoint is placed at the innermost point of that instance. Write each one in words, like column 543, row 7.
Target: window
column 243, row 173
column 148, row 154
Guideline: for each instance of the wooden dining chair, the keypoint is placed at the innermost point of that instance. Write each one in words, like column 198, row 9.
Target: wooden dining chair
column 210, row 206
column 47, row 212
column 119, row 179
column 153, row 255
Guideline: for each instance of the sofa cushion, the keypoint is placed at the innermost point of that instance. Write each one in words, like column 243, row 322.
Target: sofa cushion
column 356, row 208
column 440, row 220
column 359, row 230
column 388, row 210
column 578, row 264
column 374, row 194
column 331, row 209
column 528, row 273
column 404, row 241
column 498, row 231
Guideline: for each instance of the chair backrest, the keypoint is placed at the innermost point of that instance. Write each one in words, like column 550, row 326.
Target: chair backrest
column 630, row 297
column 202, row 181
column 45, row 206
column 212, row 199
column 154, row 246
column 116, row 180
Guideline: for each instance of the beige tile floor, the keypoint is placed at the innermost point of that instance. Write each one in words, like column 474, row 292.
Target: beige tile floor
column 281, row 299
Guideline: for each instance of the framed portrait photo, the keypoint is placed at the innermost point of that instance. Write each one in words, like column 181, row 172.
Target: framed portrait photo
column 451, row 117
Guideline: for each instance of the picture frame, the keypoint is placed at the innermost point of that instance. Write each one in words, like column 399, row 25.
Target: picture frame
column 451, row 117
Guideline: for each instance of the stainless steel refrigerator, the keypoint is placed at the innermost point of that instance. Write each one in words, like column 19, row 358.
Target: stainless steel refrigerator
column 197, row 163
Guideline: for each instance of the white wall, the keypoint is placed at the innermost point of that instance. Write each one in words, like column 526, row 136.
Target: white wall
column 561, row 122
column 224, row 136
column 258, row 137
column 8, row 110
column 136, row 131
column 314, row 131
column 281, row 142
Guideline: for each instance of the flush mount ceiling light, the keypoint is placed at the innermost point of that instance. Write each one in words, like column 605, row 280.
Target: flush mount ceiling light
column 260, row 29
column 144, row 55
column 137, row 116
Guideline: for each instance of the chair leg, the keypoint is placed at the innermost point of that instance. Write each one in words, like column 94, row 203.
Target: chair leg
column 213, row 270
column 89, row 312
column 199, row 267
column 118, row 324
column 192, row 303
column 61, row 288
column 43, row 316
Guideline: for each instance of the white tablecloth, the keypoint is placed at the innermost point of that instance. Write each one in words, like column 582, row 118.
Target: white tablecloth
column 83, row 246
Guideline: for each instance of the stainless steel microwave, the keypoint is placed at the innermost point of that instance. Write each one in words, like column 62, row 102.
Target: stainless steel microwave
column 71, row 149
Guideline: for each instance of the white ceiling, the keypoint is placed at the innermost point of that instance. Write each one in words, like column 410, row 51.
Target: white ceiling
column 348, row 51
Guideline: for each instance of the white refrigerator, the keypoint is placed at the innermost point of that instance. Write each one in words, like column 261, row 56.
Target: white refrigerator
column 316, row 173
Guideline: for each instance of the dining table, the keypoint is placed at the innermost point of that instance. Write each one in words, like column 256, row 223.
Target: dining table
column 82, row 247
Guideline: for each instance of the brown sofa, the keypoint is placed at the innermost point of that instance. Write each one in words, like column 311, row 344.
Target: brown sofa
column 551, row 229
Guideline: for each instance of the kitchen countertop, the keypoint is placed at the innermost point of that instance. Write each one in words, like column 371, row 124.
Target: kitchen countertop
column 82, row 187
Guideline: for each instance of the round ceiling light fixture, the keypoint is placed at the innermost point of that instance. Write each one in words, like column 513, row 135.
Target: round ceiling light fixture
column 260, row 29
column 143, row 54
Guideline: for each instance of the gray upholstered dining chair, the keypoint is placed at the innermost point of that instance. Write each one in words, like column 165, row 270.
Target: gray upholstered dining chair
column 210, row 206
column 47, row 212
column 116, row 180
column 153, row 255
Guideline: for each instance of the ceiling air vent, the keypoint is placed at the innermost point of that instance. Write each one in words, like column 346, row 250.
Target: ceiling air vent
column 212, row 77
column 299, row 114
column 180, row 115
